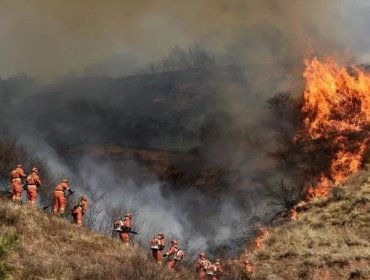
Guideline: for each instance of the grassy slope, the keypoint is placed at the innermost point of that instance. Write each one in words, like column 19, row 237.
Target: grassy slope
column 331, row 240
column 51, row 248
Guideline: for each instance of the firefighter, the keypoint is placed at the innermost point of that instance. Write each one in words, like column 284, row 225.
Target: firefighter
column 16, row 177
column 157, row 246
column 79, row 210
column 174, row 254
column 247, row 271
column 202, row 266
column 33, row 183
column 124, row 227
column 293, row 214
column 59, row 204
column 215, row 271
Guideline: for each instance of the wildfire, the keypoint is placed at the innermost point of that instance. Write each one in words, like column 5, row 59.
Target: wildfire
column 336, row 110
column 258, row 243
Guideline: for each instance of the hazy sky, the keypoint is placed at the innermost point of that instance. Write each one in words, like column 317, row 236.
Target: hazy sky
column 47, row 38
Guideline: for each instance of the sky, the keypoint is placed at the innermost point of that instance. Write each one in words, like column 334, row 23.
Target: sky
column 49, row 38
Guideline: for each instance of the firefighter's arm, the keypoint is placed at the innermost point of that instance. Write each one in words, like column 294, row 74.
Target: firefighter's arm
column 197, row 267
column 37, row 181
column 169, row 252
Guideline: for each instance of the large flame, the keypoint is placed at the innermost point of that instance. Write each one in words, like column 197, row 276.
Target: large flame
column 336, row 110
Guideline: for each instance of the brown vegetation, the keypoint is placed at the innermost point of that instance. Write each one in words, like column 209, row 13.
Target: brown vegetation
column 331, row 240
column 51, row 248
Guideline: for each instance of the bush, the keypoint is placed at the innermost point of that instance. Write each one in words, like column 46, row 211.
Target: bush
column 286, row 195
column 8, row 242
column 179, row 59
column 339, row 193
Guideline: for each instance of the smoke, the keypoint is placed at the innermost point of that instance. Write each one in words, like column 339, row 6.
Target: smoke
column 47, row 39
column 195, row 219
column 262, row 43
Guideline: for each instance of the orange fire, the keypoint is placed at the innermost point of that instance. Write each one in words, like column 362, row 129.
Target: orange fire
column 258, row 243
column 336, row 109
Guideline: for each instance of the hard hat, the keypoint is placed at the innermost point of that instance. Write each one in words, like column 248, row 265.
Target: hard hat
column 218, row 260
column 35, row 169
column 65, row 181
column 174, row 242
column 19, row 165
column 202, row 254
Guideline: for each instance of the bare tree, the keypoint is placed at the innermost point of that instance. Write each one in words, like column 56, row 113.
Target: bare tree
column 286, row 195
column 180, row 59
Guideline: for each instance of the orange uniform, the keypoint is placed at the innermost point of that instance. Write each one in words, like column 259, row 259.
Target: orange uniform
column 125, row 227
column 33, row 182
column 247, row 271
column 202, row 266
column 216, row 270
column 16, row 180
column 171, row 264
column 80, row 210
column 157, row 245
column 59, row 204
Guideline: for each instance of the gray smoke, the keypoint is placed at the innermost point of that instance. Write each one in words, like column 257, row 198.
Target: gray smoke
column 54, row 38
column 257, row 48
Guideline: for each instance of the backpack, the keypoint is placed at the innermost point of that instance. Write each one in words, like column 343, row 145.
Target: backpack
column 155, row 244
column 30, row 180
column 118, row 226
column 179, row 255
column 211, row 270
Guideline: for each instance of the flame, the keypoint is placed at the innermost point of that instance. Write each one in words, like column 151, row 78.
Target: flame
column 258, row 243
column 293, row 214
column 336, row 109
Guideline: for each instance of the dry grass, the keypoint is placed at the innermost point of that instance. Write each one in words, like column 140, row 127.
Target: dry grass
column 329, row 241
column 51, row 248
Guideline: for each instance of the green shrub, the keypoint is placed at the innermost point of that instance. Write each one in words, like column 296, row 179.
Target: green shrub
column 8, row 242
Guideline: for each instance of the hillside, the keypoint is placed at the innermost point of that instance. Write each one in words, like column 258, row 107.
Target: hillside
column 164, row 110
column 330, row 239
column 181, row 169
column 45, row 247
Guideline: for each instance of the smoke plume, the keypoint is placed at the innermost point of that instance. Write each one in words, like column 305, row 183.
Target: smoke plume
column 217, row 112
column 47, row 39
